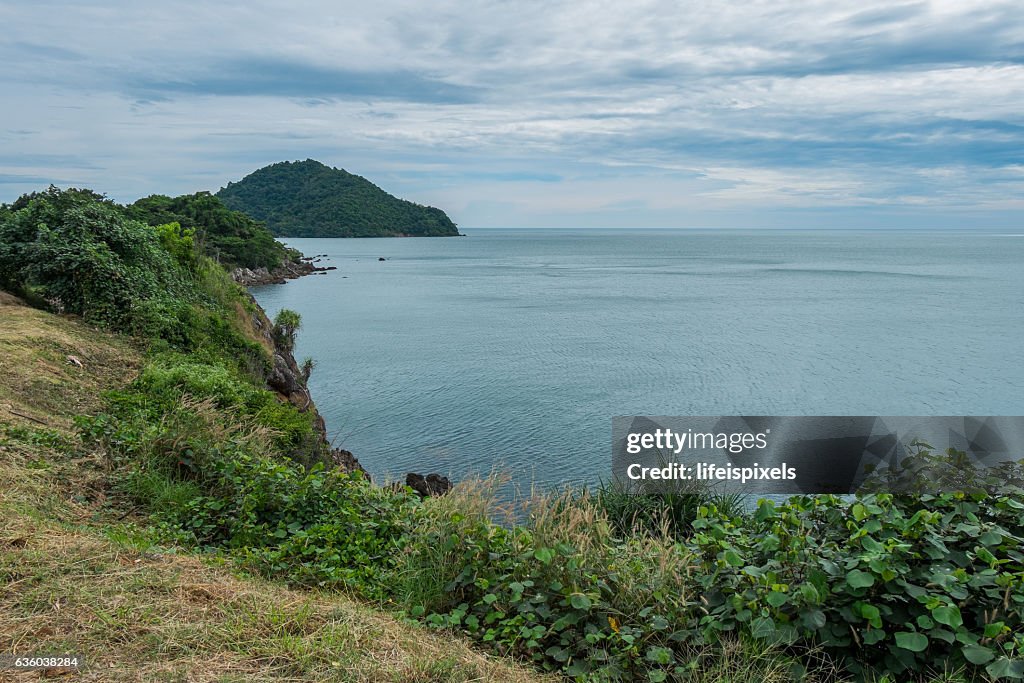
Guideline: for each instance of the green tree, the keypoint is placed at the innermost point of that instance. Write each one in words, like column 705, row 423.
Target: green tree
column 79, row 253
column 286, row 324
column 229, row 237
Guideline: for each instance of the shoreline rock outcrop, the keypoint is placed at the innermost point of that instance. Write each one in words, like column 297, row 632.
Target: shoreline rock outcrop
column 288, row 380
column 290, row 270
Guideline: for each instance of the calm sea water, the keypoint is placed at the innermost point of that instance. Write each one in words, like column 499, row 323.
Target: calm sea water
column 514, row 348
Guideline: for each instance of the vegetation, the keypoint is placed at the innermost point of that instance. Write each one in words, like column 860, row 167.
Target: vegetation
column 880, row 586
column 82, row 574
column 286, row 325
column 309, row 199
column 79, row 253
column 596, row 587
column 229, row 237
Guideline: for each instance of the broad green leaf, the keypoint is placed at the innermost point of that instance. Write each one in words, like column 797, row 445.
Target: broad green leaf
column 909, row 640
column 871, row 545
column 815, row 618
column 977, row 654
column 994, row 629
column 990, row 538
column 1006, row 668
column 733, row 558
column 762, row 627
column 872, row 615
column 544, row 555
column 860, row 579
column 948, row 615
column 579, row 601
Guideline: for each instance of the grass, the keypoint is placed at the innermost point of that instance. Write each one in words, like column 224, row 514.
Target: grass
column 79, row 574
column 41, row 386
column 136, row 612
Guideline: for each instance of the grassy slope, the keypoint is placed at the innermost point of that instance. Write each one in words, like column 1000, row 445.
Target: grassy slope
column 77, row 576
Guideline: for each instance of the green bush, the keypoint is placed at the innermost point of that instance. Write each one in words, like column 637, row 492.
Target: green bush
column 895, row 583
column 78, row 252
column 213, row 477
column 229, row 237
column 286, row 325
column 890, row 585
column 660, row 508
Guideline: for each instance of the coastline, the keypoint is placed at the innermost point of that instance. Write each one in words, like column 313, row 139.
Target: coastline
column 289, row 382
column 289, row 270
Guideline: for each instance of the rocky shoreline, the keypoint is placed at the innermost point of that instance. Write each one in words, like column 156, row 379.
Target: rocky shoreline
column 290, row 270
column 288, row 381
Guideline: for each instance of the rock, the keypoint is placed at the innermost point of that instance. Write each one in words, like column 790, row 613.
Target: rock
column 348, row 462
column 261, row 276
column 430, row 486
column 284, row 378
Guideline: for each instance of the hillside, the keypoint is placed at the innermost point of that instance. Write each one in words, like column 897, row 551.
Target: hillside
column 80, row 573
column 310, row 199
column 230, row 237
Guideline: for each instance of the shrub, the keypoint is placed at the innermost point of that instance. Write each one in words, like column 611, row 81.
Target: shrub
column 894, row 583
column 212, row 477
column 660, row 508
column 82, row 255
column 228, row 237
column 286, row 325
column 890, row 585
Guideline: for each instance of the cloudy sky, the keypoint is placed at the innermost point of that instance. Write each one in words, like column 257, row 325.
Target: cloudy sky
column 726, row 113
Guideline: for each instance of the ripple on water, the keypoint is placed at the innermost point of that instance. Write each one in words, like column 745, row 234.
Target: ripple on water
column 517, row 348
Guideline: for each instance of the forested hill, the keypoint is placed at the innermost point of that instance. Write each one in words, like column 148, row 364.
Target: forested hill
column 231, row 237
column 310, row 199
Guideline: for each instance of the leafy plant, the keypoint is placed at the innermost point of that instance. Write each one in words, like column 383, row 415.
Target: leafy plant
column 286, row 325
column 78, row 252
column 229, row 237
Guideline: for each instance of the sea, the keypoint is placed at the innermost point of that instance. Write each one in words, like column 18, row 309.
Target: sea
column 510, row 350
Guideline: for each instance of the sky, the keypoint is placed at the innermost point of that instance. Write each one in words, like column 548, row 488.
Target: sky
column 523, row 113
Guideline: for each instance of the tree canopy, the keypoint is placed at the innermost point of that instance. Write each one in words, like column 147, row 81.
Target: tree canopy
column 310, row 199
column 78, row 252
column 230, row 237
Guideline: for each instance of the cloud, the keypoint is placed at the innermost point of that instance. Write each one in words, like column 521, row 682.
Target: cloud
column 263, row 77
column 582, row 112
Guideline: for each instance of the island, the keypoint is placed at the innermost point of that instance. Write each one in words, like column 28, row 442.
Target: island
column 310, row 199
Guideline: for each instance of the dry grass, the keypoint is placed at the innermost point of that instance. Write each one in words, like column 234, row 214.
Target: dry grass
column 39, row 385
column 651, row 565
column 139, row 615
